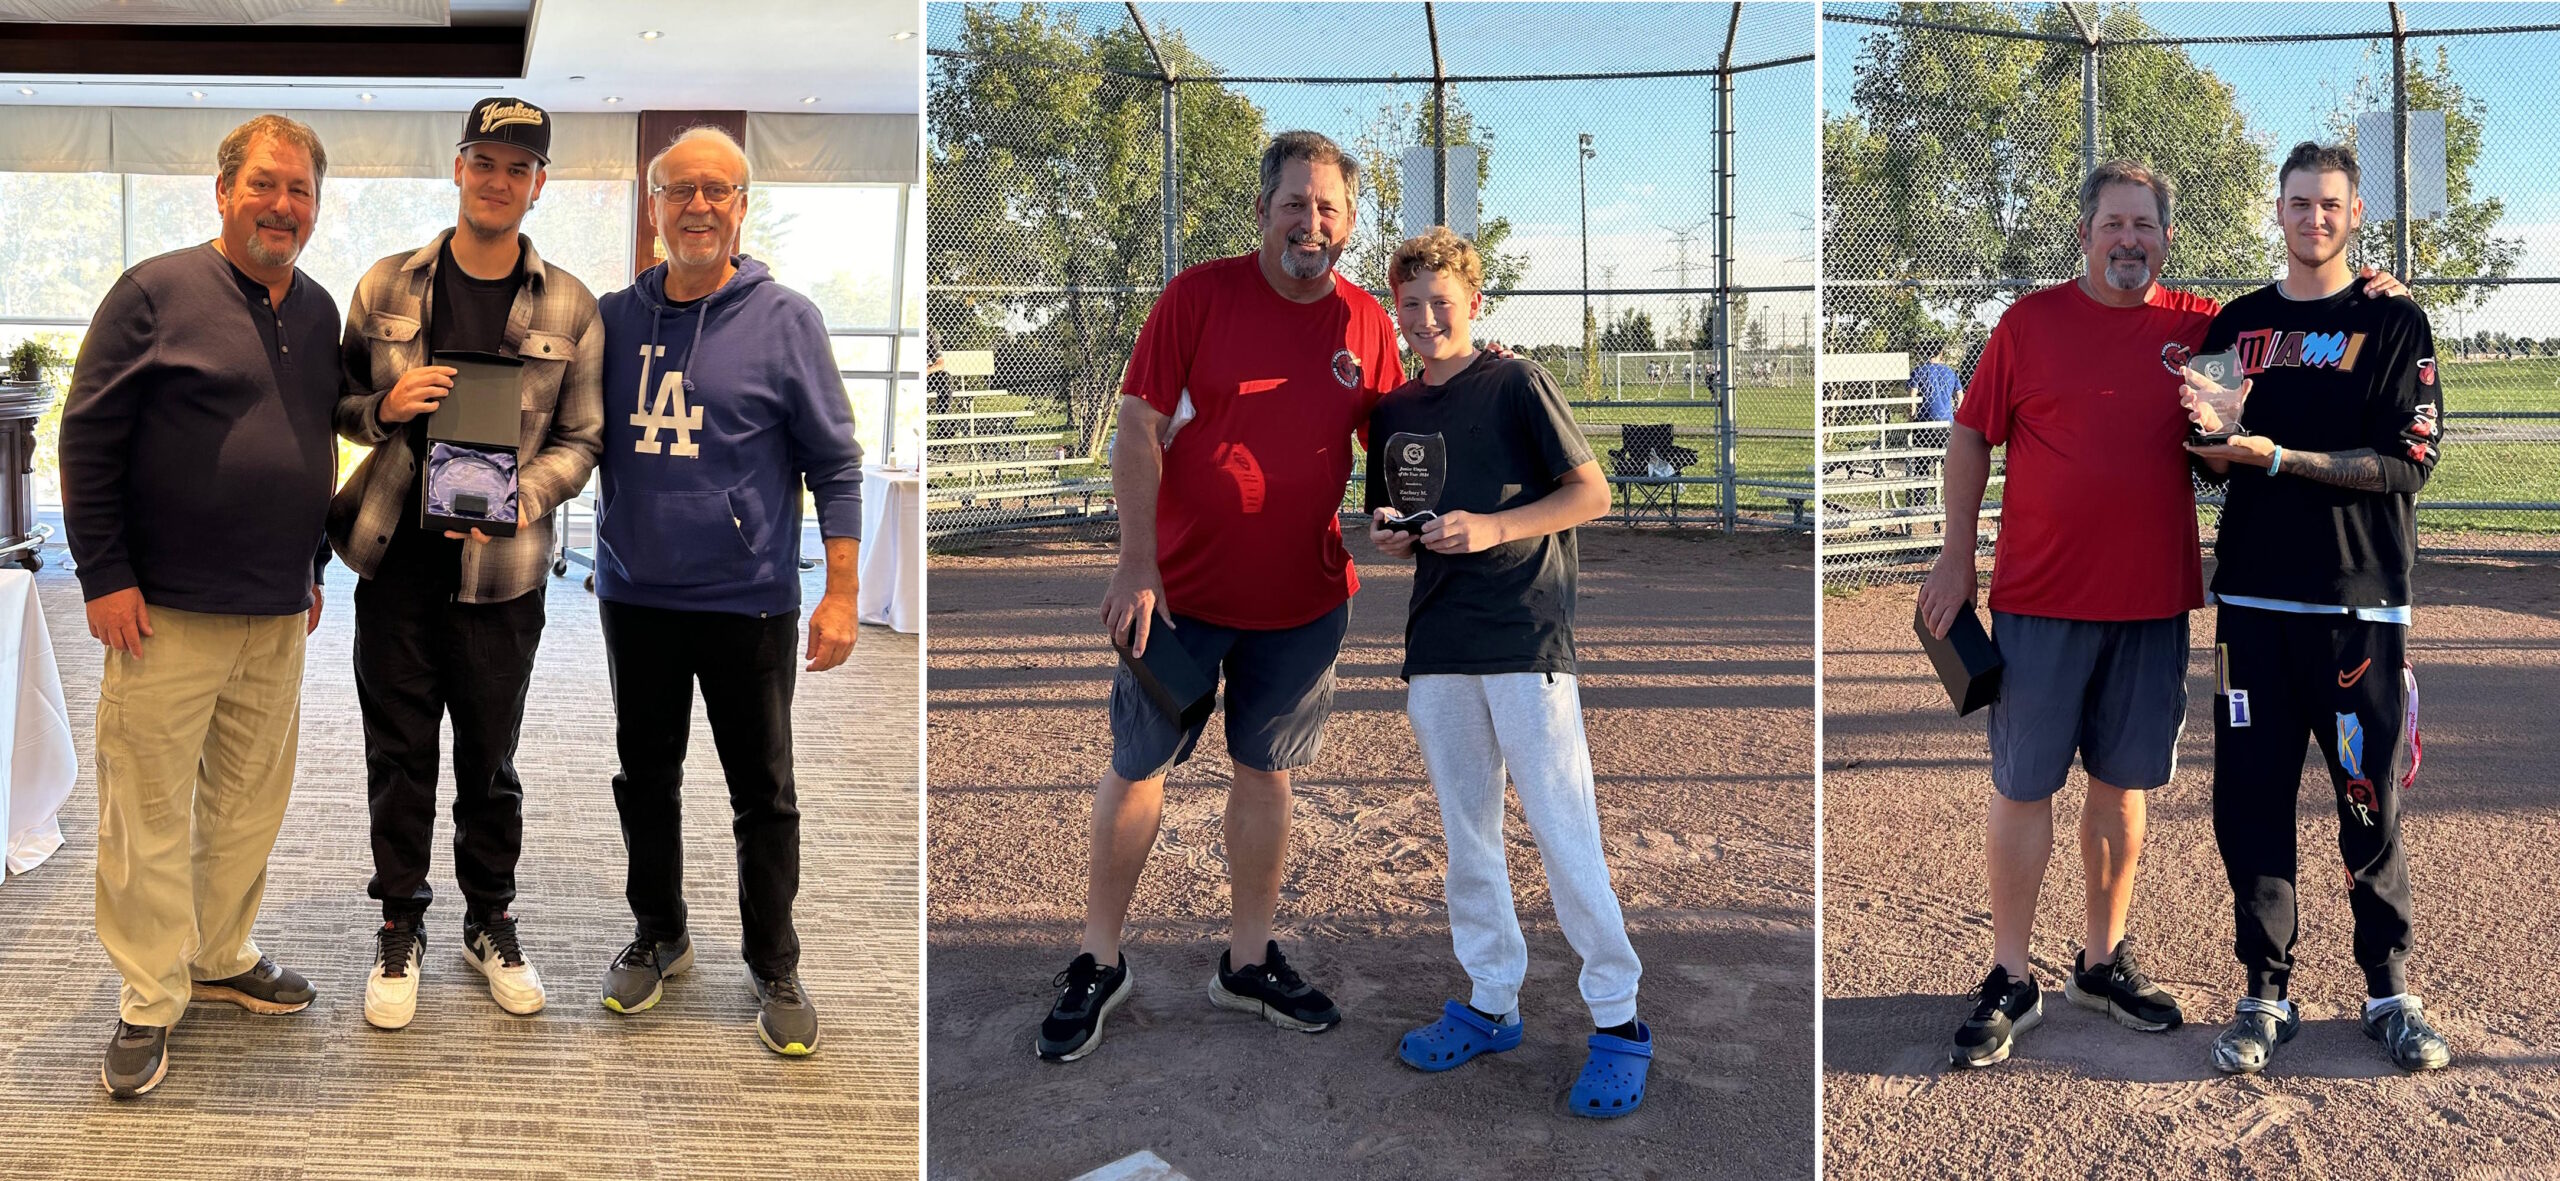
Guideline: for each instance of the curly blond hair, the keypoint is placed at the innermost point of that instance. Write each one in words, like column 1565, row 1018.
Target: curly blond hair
column 1441, row 252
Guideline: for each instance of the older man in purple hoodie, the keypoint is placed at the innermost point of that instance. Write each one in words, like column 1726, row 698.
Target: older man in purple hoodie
column 722, row 401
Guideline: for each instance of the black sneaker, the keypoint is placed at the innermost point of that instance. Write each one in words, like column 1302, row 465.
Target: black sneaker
column 137, row 1059
column 2402, row 1029
column 267, row 987
column 2256, row 1029
column 1272, row 990
column 2004, row 1007
column 786, row 1022
column 2120, row 990
column 638, row 976
column 1087, row 993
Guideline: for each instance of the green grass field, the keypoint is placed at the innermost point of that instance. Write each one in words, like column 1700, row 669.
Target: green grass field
column 2528, row 384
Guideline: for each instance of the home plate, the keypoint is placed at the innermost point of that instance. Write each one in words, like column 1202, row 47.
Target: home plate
column 1137, row 1166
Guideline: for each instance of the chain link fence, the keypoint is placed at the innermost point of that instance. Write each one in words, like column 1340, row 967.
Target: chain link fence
column 1645, row 174
column 1954, row 139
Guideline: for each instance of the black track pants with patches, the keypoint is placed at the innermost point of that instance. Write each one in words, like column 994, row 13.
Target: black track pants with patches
column 2340, row 682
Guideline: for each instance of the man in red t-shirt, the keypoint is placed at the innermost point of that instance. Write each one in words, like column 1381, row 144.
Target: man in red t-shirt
column 2096, row 567
column 1237, row 424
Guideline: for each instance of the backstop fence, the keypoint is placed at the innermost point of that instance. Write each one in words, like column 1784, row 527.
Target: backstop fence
column 1954, row 140
column 1643, row 180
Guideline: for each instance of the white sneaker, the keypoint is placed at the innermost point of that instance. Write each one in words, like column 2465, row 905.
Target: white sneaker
column 491, row 947
column 391, row 992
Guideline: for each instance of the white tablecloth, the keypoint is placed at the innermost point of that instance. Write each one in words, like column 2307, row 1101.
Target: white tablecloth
column 37, row 765
column 892, row 574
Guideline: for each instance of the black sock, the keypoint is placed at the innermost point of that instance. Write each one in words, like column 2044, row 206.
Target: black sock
column 1492, row 1017
column 1628, row 1031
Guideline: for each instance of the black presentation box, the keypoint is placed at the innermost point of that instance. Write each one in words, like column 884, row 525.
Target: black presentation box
column 1968, row 665
column 469, row 481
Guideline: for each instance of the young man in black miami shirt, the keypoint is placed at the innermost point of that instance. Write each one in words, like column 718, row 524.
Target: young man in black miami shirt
column 2317, row 541
column 1489, row 657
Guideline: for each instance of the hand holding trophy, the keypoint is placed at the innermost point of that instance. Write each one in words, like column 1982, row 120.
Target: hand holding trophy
column 2213, row 394
column 1417, row 470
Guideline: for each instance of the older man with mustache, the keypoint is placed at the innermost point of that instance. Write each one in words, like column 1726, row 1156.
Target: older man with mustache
column 2096, row 568
column 1236, row 422
column 201, row 568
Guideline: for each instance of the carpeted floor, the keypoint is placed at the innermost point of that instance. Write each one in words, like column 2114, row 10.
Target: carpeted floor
column 467, row 1091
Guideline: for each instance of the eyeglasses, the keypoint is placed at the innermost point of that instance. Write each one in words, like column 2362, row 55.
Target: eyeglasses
column 715, row 194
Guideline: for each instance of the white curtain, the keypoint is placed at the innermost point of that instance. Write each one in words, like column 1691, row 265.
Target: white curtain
column 159, row 141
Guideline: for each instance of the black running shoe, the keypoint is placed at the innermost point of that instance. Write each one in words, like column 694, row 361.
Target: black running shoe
column 137, row 1059
column 2402, row 1029
column 1273, row 991
column 1087, row 993
column 2003, row 1008
column 2244, row 1046
column 2120, row 990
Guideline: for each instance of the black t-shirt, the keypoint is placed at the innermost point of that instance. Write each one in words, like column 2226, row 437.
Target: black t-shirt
column 2344, row 373
column 466, row 315
column 1510, row 440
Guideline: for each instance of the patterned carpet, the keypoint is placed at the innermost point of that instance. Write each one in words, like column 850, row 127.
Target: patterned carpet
column 467, row 1091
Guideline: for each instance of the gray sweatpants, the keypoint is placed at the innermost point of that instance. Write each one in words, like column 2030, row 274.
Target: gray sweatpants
column 1471, row 728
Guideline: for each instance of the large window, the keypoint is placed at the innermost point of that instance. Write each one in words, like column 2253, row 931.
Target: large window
column 70, row 235
column 843, row 246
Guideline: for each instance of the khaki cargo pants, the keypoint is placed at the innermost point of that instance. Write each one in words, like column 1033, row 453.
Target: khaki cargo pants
column 195, row 762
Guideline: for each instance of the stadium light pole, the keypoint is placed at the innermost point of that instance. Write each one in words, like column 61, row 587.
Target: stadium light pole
column 1582, row 166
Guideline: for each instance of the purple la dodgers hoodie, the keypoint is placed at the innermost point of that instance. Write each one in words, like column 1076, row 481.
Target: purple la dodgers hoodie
column 716, row 414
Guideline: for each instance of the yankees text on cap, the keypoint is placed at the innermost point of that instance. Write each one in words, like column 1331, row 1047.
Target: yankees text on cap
column 510, row 121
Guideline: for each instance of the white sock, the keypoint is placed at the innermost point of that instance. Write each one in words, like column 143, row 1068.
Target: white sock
column 2373, row 1005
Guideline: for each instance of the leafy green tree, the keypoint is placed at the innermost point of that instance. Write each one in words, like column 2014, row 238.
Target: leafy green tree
column 1959, row 163
column 1631, row 332
column 2462, row 243
column 1381, row 146
column 1052, row 179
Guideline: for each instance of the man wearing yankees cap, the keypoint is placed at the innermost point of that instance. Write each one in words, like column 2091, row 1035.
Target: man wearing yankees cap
column 447, row 622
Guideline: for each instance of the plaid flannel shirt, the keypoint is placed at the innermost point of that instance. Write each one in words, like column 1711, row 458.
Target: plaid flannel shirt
column 554, row 329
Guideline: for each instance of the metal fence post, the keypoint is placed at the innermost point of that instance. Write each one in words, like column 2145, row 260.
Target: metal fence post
column 1172, row 199
column 2400, row 134
column 1439, row 124
column 1725, row 473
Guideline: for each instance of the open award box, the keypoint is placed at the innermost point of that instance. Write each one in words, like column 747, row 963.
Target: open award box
column 470, row 477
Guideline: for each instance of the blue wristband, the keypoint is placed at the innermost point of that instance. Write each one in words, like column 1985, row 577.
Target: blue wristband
column 2277, row 464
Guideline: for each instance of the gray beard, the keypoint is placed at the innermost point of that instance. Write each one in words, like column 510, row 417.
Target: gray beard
column 259, row 254
column 1299, row 266
column 2112, row 278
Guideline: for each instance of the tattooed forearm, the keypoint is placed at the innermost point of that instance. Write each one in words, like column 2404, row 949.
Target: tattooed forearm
column 2359, row 469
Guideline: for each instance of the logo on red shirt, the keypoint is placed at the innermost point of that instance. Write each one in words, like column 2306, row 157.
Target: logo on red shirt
column 1346, row 369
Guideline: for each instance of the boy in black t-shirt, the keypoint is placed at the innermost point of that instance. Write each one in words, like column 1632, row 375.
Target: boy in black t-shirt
column 2316, row 546
column 1489, row 657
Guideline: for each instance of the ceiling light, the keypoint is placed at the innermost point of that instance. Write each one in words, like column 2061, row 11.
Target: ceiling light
column 650, row 34
column 364, row 98
column 613, row 98
column 27, row 90
column 577, row 77
column 809, row 100
column 908, row 35
column 197, row 95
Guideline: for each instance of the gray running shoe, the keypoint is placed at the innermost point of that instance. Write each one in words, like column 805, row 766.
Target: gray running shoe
column 2403, row 1030
column 785, row 1020
column 2253, row 1035
column 137, row 1059
column 269, row 988
column 637, row 978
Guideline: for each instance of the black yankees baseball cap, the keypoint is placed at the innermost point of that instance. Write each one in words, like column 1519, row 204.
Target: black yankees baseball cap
column 510, row 121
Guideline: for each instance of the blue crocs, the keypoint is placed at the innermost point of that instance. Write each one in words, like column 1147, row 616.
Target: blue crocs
column 1612, row 1082
column 1460, row 1033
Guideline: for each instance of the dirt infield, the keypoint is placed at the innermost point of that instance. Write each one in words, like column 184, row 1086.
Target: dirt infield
column 1697, row 664
column 1907, row 934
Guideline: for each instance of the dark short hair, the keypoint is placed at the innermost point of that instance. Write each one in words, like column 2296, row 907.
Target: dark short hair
column 2320, row 157
column 1311, row 147
column 2123, row 172
column 235, row 147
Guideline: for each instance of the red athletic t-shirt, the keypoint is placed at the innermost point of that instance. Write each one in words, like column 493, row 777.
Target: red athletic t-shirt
column 2098, row 519
column 1248, row 527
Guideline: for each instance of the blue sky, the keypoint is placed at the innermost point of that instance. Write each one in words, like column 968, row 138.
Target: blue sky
column 1654, row 137
column 2288, row 92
